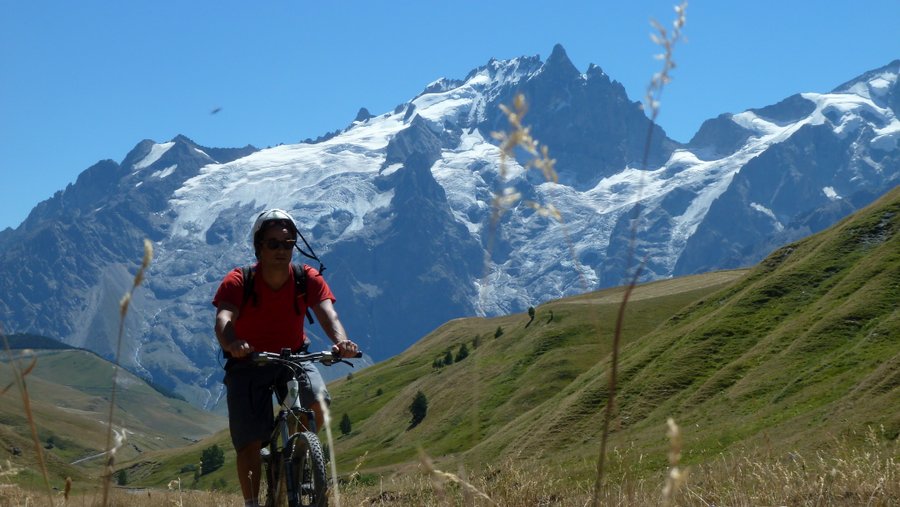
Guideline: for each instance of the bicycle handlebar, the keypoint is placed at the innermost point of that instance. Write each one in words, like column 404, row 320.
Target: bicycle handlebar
column 325, row 357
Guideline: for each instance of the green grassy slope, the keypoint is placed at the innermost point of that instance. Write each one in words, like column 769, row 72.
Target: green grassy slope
column 505, row 385
column 69, row 394
column 803, row 349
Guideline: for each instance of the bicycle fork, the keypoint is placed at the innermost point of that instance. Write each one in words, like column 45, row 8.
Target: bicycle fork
column 292, row 424
column 292, row 401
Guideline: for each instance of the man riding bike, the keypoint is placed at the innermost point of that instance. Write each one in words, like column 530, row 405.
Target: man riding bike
column 269, row 321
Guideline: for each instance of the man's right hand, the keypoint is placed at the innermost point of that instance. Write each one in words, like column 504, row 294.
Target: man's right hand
column 239, row 349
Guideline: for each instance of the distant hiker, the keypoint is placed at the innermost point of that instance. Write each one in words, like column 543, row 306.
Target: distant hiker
column 261, row 308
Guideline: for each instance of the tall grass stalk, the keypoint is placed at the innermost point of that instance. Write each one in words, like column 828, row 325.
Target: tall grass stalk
column 612, row 384
column 326, row 415
column 518, row 137
column 439, row 477
column 19, row 379
column 676, row 477
column 123, row 311
column 652, row 102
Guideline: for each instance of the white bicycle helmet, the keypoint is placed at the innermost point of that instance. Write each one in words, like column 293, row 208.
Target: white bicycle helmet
column 271, row 215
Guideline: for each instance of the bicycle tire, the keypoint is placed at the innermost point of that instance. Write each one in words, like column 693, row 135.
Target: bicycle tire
column 308, row 471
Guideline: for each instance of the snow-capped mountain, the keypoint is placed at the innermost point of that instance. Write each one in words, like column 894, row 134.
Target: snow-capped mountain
column 399, row 207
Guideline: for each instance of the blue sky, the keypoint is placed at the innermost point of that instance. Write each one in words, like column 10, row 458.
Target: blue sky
column 85, row 81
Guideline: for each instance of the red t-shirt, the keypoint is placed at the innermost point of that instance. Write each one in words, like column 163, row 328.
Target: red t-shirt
column 272, row 324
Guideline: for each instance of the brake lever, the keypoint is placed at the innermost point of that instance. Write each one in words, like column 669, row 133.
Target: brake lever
column 343, row 360
column 358, row 355
column 335, row 360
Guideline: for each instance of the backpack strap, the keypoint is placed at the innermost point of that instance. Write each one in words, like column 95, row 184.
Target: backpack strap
column 300, row 280
column 249, row 293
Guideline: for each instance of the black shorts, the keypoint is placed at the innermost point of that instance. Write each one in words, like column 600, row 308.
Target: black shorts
column 250, row 412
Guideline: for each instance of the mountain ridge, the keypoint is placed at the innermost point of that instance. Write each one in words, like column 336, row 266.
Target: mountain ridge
column 427, row 173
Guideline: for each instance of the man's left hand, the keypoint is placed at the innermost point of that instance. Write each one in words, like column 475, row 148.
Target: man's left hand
column 345, row 348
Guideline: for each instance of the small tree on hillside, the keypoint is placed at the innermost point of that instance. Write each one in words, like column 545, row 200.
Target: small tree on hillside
column 499, row 332
column 213, row 458
column 418, row 409
column 346, row 427
column 463, row 353
column 448, row 358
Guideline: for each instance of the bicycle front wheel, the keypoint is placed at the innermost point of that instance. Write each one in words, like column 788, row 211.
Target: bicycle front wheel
column 307, row 470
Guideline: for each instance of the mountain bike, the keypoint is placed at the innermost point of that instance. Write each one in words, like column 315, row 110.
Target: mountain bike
column 293, row 462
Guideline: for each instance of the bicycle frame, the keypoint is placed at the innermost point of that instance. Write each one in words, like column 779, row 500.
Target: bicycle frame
column 281, row 446
column 293, row 441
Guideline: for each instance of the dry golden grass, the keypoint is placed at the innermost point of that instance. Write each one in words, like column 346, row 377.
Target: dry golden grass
column 846, row 475
column 13, row 496
column 850, row 473
column 843, row 475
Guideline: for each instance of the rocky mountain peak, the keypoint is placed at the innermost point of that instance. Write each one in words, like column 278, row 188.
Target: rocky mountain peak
column 559, row 63
column 363, row 114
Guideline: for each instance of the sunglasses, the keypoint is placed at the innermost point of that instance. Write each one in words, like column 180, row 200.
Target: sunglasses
column 274, row 244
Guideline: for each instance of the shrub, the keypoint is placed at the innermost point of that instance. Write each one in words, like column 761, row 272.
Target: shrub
column 212, row 458
column 463, row 353
column 418, row 409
